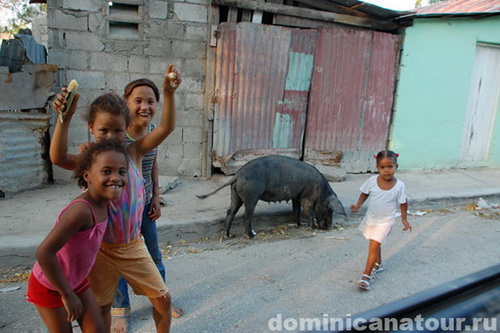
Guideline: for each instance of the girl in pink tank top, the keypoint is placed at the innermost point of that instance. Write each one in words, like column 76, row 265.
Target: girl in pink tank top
column 108, row 117
column 58, row 285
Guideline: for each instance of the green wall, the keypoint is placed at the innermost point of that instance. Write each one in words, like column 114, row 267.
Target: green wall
column 432, row 93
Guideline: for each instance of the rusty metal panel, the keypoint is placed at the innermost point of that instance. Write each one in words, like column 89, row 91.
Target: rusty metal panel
column 461, row 7
column 338, row 85
column 290, row 117
column 351, row 95
column 380, row 91
column 263, row 76
column 21, row 164
column 28, row 89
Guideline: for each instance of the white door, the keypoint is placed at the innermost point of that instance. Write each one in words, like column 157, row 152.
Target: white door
column 482, row 107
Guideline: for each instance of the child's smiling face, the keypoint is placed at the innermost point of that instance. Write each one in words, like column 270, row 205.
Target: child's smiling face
column 108, row 126
column 142, row 105
column 107, row 176
column 386, row 168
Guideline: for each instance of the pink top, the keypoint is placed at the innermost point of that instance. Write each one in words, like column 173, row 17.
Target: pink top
column 77, row 256
column 125, row 213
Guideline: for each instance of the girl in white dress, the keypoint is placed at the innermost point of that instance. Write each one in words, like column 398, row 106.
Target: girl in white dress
column 386, row 193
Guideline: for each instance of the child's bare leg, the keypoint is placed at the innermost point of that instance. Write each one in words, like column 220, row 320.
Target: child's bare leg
column 379, row 257
column 373, row 255
column 55, row 319
column 162, row 313
column 91, row 319
column 106, row 317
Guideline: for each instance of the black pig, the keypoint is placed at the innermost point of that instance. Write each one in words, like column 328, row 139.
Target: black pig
column 276, row 178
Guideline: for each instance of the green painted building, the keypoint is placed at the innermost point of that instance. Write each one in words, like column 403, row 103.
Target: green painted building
column 448, row 92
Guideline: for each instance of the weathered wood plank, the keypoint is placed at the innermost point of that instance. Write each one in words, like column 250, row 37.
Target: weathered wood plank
column 309, row 13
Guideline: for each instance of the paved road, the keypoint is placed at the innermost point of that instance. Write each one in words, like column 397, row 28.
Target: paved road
column 246, row 285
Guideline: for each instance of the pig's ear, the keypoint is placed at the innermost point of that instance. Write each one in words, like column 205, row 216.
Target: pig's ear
column 336, row 205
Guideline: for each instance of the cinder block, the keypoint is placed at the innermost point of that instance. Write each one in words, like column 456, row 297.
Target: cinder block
column 199, row 2
column 128, row 47
column 192, row 135
column 170, row 168
column 116, row 81
column 196, row 33
column 160, row 48
column 58, row 57
column 137, row 64
column 82, row 41
column 188, row 49
column 189, row 168
column 165, row 30
column 61, row 174
column 191, row 12
column 193, row 102
column 158, row 9
column 158, row 66
column 194, row 67
column 84, row 5
column 69, row 22
column 78, row 60
column 191, row 119
column 175, row 138
column 88, row 79
column 108, row 62
column 192, row 150
column 190, row 85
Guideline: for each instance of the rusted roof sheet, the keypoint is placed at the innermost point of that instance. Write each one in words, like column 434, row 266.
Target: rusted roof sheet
column 461, row 7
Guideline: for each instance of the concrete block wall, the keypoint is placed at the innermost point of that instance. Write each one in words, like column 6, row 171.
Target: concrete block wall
column 80, row 44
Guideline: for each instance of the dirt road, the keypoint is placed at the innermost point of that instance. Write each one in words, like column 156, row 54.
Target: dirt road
column 289, row 273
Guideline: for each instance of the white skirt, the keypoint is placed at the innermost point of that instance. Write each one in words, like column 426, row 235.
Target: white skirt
column 378, row 232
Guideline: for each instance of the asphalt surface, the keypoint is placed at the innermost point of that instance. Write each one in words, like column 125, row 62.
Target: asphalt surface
column 239, row 287
column 28, row 216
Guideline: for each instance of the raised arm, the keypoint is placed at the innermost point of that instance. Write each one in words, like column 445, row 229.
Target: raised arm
column 144, row 145
column 59, row 144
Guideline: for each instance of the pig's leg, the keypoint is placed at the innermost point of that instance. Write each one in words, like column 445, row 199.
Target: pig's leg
column 308, row 210
column 236, row 203
column 296, row 211
column 247, row 217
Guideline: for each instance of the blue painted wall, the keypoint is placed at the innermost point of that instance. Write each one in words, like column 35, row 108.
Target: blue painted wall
column 433, row 89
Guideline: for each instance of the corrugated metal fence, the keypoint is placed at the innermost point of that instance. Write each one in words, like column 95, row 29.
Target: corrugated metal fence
column 303, row 92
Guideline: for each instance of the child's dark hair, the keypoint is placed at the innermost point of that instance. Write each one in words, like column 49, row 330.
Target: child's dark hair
column 110, row 103
column 387, row 154
column 138, row 83
column 88, row 156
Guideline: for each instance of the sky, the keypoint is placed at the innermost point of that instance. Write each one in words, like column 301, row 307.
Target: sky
column 396, row 4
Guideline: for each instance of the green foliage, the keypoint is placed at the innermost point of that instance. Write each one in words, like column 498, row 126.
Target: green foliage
column 20, row 14
column 418, row 3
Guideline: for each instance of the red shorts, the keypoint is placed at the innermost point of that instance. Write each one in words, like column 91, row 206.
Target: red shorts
column 47, row 298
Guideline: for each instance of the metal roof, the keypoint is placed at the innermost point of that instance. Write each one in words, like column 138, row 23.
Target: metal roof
column 364, row 7
column 460, row 7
